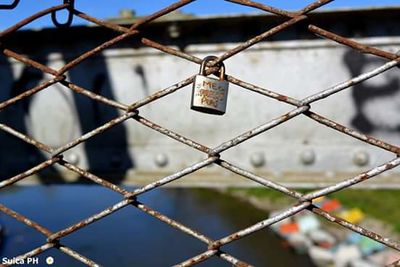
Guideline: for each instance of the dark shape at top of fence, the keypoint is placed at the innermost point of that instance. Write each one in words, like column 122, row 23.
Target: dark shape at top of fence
column 70, row 18
column 13, row 5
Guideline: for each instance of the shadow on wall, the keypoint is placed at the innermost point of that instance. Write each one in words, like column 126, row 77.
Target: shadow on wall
column 16, row 155
column 377, row 101
column 107, row 153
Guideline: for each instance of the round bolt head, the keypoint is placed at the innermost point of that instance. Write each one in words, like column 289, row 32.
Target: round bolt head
column 161, row 160
column 307, row 157
column 257, row 159
column 361, row 158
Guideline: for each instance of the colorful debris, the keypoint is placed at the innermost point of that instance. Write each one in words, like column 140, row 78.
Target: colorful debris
column 305, row 234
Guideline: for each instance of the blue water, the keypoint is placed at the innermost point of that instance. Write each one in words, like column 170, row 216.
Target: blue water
column 130, row 237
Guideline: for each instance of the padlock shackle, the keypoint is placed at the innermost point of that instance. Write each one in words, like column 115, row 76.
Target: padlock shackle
column 220, row 64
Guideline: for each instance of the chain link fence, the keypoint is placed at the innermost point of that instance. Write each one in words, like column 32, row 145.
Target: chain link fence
column 212, row 155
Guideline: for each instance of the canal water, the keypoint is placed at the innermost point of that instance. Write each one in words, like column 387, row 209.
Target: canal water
column 130, row 237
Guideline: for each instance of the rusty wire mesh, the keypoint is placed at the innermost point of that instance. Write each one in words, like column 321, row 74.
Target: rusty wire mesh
column 212, row 155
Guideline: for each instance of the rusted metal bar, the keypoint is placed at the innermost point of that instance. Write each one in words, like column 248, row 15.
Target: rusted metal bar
column 355, row 180
column 100, row 22
column 33, row 252
column 264, row 7
column 314, row 209
column 259, row 38
column 173, row 223
column 129, row 200
column 355, row 228
column 258, row 179
column 89, row 220
column 280, row 97
column 92, row 133
column 181, row 54
column 30, row 92
column 313, row 6
column 172, row 134
column 58, row 78
column 95, row 51
column 263, row 91
column 162, row 93
column 46, row 233
column 260, row 129
column 26, row 138
column 199, row 258
column 353, row 133
column 176, row 225
column 243, row 84
column 356, row 80
column 29, row 62
column 28, row 20
column 78, row 256
column 96, row 97
column 351, row 43
column 213, row 248
column 171, row 51
column 260, row 225
column 301, row 15
column 142, row 21
column 173, row 177
column 144, row 40
column 188, row 231
column 29, row 172
column 131, row 111
column 235, row 262
column 25, row 220
column 93, row 177
column 334, row 125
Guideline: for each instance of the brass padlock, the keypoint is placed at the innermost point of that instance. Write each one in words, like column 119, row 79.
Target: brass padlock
column 210, row 95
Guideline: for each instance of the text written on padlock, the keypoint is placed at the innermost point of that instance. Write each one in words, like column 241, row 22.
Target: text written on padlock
column 210, row 95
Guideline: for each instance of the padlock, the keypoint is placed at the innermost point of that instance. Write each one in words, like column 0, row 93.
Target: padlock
column 210, row 95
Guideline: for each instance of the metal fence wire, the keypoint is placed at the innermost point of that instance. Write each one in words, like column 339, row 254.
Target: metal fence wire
column 212, row 155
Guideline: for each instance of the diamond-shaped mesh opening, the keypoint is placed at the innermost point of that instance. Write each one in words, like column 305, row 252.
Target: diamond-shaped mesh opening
column 117, row 112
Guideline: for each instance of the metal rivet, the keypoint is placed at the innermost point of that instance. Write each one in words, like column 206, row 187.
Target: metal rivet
column 361, row 158
column 257, row 159
column 307, row 157
column 73, row 158
column 161, row 160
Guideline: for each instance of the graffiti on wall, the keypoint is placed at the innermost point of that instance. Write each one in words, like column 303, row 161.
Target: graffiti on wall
column 376, row 101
